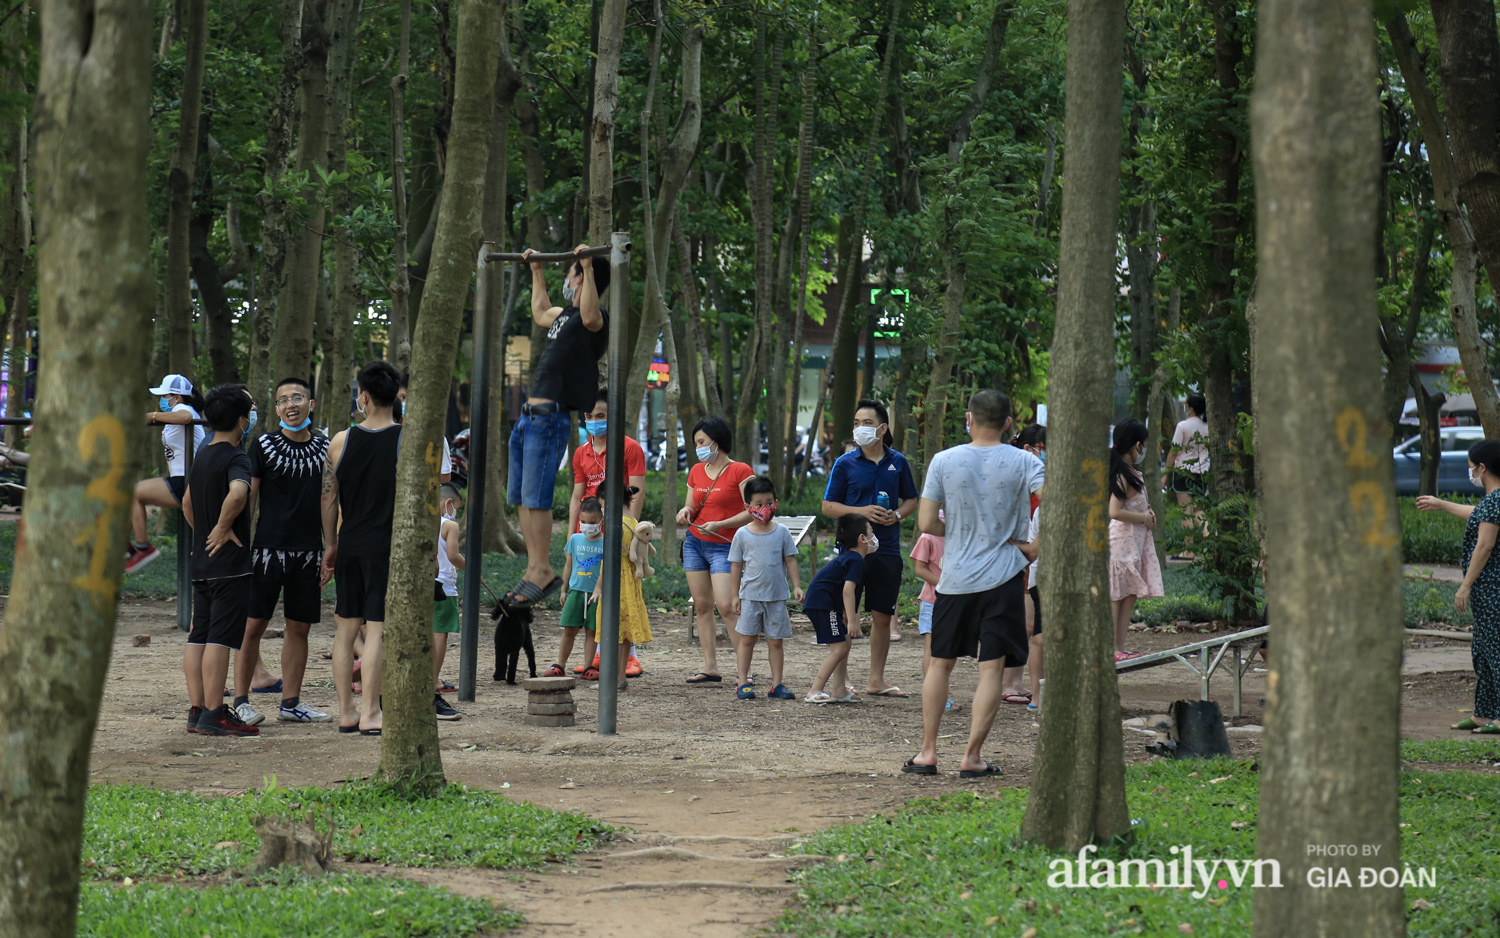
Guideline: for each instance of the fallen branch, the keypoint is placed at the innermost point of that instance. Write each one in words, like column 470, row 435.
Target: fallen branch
column 678, row 853
column 1440, row 633
column 697, row 884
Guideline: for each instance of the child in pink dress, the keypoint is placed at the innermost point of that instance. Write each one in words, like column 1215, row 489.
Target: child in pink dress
column 1134, row 571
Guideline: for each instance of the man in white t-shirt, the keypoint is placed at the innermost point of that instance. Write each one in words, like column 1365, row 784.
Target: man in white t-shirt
column 1188, row 465
column 984, row 489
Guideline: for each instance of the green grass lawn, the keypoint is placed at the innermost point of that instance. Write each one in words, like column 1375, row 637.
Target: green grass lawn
column 954, row 865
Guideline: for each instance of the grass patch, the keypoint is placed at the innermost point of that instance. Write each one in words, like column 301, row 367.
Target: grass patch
column 1431, row 536
column 139, row 832
column 281, row 904
column 954, row 865
column 1481, row 750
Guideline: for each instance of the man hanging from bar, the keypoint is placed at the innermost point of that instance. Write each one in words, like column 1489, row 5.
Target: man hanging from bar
column 566, row 380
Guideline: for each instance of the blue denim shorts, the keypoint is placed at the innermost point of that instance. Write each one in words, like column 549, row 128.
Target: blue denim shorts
column 699, row 555
column 537, row 445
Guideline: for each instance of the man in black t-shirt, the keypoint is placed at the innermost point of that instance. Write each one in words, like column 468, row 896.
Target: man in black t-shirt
column 287, row 467
column 218, row 489
column 567, row 379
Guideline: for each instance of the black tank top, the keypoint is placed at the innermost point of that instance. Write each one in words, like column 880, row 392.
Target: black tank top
column 568, row 371
column 367, row 490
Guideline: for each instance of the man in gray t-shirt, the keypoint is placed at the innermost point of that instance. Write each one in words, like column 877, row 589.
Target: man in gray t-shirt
column 984, row 489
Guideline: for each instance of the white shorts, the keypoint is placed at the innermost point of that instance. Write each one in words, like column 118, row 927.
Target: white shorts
column 924, row 618
column 771, row 618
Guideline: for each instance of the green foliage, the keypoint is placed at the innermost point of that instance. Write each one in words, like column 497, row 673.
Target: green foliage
column 1450, row 750
column 285, row 903
column 955, row 866
column 1431, row 537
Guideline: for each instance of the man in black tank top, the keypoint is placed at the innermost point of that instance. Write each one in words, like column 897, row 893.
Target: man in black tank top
column 359, row 484
column 567, row 379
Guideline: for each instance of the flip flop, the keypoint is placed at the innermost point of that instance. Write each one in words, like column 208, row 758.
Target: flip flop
column 447, row 688
column 374, row 732
column 847, row 698
column 704, row 678
column 1467, row 723
column 951, row 707
column 348, row 729
column 911, row 768
column 892, row 691
column 990, row 770
column 273, row 689
column 1489, row 729
column 818, row 698
column 1016, row 698
column 527, row 594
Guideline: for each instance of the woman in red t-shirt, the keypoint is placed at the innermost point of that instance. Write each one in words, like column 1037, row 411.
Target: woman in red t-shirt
column 715, row 510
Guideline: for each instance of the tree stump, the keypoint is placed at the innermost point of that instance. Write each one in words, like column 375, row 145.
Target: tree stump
column 549, row 701
column 289, row 841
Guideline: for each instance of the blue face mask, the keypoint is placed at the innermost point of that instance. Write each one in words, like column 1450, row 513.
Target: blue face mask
column 1042, row 456
column 705, row 453
column 250, row 426
column 165, row 403
column 306, row 422
column 596, row 427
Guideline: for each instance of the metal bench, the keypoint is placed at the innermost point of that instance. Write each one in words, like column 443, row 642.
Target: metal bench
column 798, row 525
column 1205, row 667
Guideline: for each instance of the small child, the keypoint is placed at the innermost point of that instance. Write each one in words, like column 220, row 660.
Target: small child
column 757, row 555
column 445, row 596
column 833, row 607
column 635, row 621
column 585, row 558
column 927, row 561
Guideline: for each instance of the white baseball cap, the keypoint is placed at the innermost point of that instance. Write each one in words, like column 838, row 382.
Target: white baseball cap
column 174, row 384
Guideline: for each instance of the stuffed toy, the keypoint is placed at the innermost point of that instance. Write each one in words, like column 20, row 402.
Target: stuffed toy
column 641, row 549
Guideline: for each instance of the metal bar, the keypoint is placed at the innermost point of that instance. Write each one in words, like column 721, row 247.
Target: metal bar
column 559, row 257
column 1204, row 674
column 614, row 484
column 479, row 431
column 1237, row 675
column 185, row 544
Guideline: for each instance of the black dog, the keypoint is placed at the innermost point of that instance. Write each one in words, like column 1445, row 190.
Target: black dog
column 512, row 635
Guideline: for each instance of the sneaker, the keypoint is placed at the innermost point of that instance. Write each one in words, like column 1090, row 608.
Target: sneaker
column 140, row 556
column 633, row 667
column 781, row 693
column 224, row 722
column 745, row 693
column 194, row 713
column 444, row 710
column 247, row 714
column 302, row 713
column 554, row 671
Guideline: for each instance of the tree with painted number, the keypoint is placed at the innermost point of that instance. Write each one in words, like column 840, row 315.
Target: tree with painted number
column 97, row 296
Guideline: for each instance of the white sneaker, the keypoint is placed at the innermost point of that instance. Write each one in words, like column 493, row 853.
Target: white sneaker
column 247, row 714
column 302, row 713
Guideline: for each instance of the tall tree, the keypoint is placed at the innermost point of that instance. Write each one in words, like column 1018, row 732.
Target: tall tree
column 336, row 374
column 409, row 751
column 15, row 217
column 1332, row 541
column 602, row 129
column 180, row 190
column 96, row 297
column 1078, row 796
column 400, row 315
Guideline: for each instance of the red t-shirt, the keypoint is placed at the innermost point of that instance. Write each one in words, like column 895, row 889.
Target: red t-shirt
column 717, row 499
column 588, row 467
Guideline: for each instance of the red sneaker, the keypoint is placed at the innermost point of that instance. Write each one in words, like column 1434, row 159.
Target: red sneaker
column 140, row 556
column 633, row 667
column 224, row 722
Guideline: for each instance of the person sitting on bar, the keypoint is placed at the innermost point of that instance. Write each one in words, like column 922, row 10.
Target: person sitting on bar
column 567, row 379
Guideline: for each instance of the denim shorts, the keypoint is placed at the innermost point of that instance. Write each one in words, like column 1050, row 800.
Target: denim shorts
column 699, row 555
column 537, row 445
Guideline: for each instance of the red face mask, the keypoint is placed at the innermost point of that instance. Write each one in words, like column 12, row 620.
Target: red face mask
column 763, row 513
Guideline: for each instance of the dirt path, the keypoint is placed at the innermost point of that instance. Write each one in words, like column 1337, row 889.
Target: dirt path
column 689, row 763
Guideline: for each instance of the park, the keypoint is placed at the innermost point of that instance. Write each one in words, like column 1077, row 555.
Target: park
column 959, row 431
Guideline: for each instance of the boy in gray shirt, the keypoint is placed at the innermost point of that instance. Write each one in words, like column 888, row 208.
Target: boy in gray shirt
column 762, row 561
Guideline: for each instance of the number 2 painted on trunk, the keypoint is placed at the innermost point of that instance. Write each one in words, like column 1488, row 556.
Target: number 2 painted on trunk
column 107, row 489
column 1353, row 432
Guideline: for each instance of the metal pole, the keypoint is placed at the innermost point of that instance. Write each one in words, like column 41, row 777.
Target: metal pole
column 614, row 484
column 185, row 541
column 560, row 257
column 479, row 432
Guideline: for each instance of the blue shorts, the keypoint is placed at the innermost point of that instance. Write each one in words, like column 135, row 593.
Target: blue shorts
column 829, row 625
column 537, row 445
column 699, row 555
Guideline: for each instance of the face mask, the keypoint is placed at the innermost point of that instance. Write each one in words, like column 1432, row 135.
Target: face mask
column 705, row 453
column 596, row 427
column 359, row 407
column 590, row 531
column 864, row 436
column 570, row 292
column 763, row 513
column 306, row 422
column 1042, row 456
column 254, row 419
column 165, row 403
column 1476, row 475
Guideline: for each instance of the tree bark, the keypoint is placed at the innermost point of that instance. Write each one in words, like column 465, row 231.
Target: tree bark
column 1332, row 537
column 784, row 468
column 409, row 753
column 180, row 190
column 337, row 372
column 218, row 316
column 96, row 300
column 15, row 222
column 1156, row 400
column 400, row 329
column 1078, row 795
column 602, row 130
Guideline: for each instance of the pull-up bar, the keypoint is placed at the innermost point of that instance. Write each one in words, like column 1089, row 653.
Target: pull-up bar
column 618, row 251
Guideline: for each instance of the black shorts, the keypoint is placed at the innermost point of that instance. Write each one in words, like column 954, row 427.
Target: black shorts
column 359, row 587
column 882, row 583
column 178, row 485
column 1036, row 610
column 987, row 625
column 1188, row 483
column 829, row 624
column 219, row 611
column 290, row 573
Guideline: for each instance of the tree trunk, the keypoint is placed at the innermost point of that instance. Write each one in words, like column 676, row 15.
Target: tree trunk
column 337, row 373
column 409, row 750
column 273, row 207
column 1332, row 538
column 1078, row 792
column 15, row 222
column 96, row 301
column 295, row 314
column 602, row 140
column 399, row 352
column 180, row 190
column 1448, row 190
column 217, row 314
column 1397, row 333
column 788, row 465
column 1156, row 398
column 1429, row 413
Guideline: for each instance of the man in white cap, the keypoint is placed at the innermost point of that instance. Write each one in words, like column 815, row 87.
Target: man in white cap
column 179, row 405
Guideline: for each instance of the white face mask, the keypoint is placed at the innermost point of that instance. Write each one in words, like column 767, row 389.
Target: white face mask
column 570, row 292
column 864, row 436
column 590, row 530
column 1476, row 475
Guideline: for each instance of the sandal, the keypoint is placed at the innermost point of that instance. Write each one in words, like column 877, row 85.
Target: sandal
column 892, row 691
column 703, row 677
column 990, row 770
column 1016, row 698
column 591, row 675
column 1489, row 729
column 1467, row 723
column 527, row 594
column 910, row 767
column 818, row 698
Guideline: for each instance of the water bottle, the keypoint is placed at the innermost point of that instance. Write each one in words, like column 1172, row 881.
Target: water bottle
column 883, row 499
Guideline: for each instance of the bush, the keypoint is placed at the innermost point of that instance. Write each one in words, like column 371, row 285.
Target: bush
column 1431, row 536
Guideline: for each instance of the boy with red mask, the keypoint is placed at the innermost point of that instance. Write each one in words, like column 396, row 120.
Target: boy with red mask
column 762, row 563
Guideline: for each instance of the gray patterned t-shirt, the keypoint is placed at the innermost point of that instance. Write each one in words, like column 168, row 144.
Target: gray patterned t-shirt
column 985, row 492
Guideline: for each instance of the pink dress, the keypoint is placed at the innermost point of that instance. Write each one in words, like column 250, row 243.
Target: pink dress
column 1133, row 568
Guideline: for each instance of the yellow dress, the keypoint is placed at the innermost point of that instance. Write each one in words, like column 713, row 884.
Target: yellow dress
column 635, row 622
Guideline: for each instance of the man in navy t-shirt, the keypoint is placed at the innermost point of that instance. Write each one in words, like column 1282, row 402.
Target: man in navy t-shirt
column 855, row 485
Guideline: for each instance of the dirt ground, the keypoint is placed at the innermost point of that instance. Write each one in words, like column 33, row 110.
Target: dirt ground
column 713, row 788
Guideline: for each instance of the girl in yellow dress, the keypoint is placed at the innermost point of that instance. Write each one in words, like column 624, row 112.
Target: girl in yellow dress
column 635, row 622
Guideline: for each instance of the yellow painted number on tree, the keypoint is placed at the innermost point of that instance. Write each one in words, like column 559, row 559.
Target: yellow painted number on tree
column 1096, row 527
column 107, row 489
column 1353, row 433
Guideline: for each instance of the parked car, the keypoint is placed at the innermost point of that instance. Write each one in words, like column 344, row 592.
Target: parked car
column 1453, row 469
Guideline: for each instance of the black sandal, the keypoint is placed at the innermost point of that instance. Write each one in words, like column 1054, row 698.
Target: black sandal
column 911, row 768
column 703, row 677
column 527, row 594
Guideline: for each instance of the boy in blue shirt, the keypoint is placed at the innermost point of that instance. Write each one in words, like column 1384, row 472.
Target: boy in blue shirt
column 585, row 558
column 832, row 604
